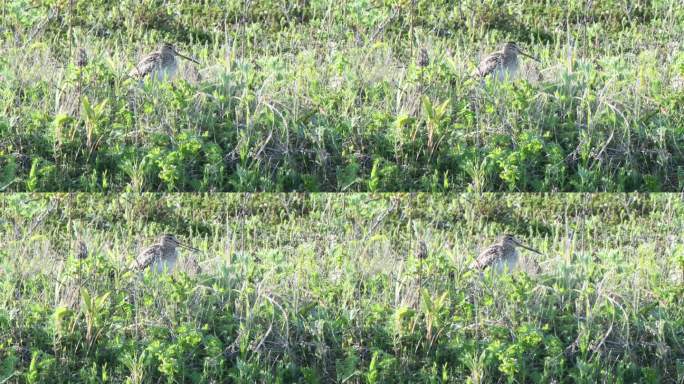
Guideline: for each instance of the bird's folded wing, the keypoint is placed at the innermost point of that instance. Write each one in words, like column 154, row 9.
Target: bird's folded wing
column 487, row 65
column 145, row 66
column 487, row 257
column 145, row 258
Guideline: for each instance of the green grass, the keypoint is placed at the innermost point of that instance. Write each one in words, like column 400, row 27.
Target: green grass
column 327, row 288
column 327, row 96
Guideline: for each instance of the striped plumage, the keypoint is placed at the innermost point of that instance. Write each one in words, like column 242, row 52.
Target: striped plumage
column 160, row 64
column 161, row 256
column 501, row 64
column 501, row 255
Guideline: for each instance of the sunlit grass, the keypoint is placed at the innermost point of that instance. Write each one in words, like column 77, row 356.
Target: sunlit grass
column 323, row 288
column 327, row 97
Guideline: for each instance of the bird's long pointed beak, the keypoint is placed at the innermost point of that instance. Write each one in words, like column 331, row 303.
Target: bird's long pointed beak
column 530, row 56
column 530, row 249
column 188, row 247
column 187, row 57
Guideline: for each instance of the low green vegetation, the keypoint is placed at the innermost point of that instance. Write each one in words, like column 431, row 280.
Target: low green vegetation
column 327, row 288
column 327, row 95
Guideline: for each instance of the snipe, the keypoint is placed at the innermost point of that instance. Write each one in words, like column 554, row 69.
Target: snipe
column 501, row 64
column 501, row 255
column 162, row 256
column 160, row 64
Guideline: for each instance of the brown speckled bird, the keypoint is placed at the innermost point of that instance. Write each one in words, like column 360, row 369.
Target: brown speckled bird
column 160, row 257
column 501, row 64
column 501, row 255
column 160, row 64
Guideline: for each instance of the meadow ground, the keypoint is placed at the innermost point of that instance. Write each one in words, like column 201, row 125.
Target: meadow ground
column 327, row 288
column 327, row 95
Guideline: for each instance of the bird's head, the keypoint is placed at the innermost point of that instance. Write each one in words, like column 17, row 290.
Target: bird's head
column 509, row 240
column 168, row 240
column 168, row 48
column 512, row 47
